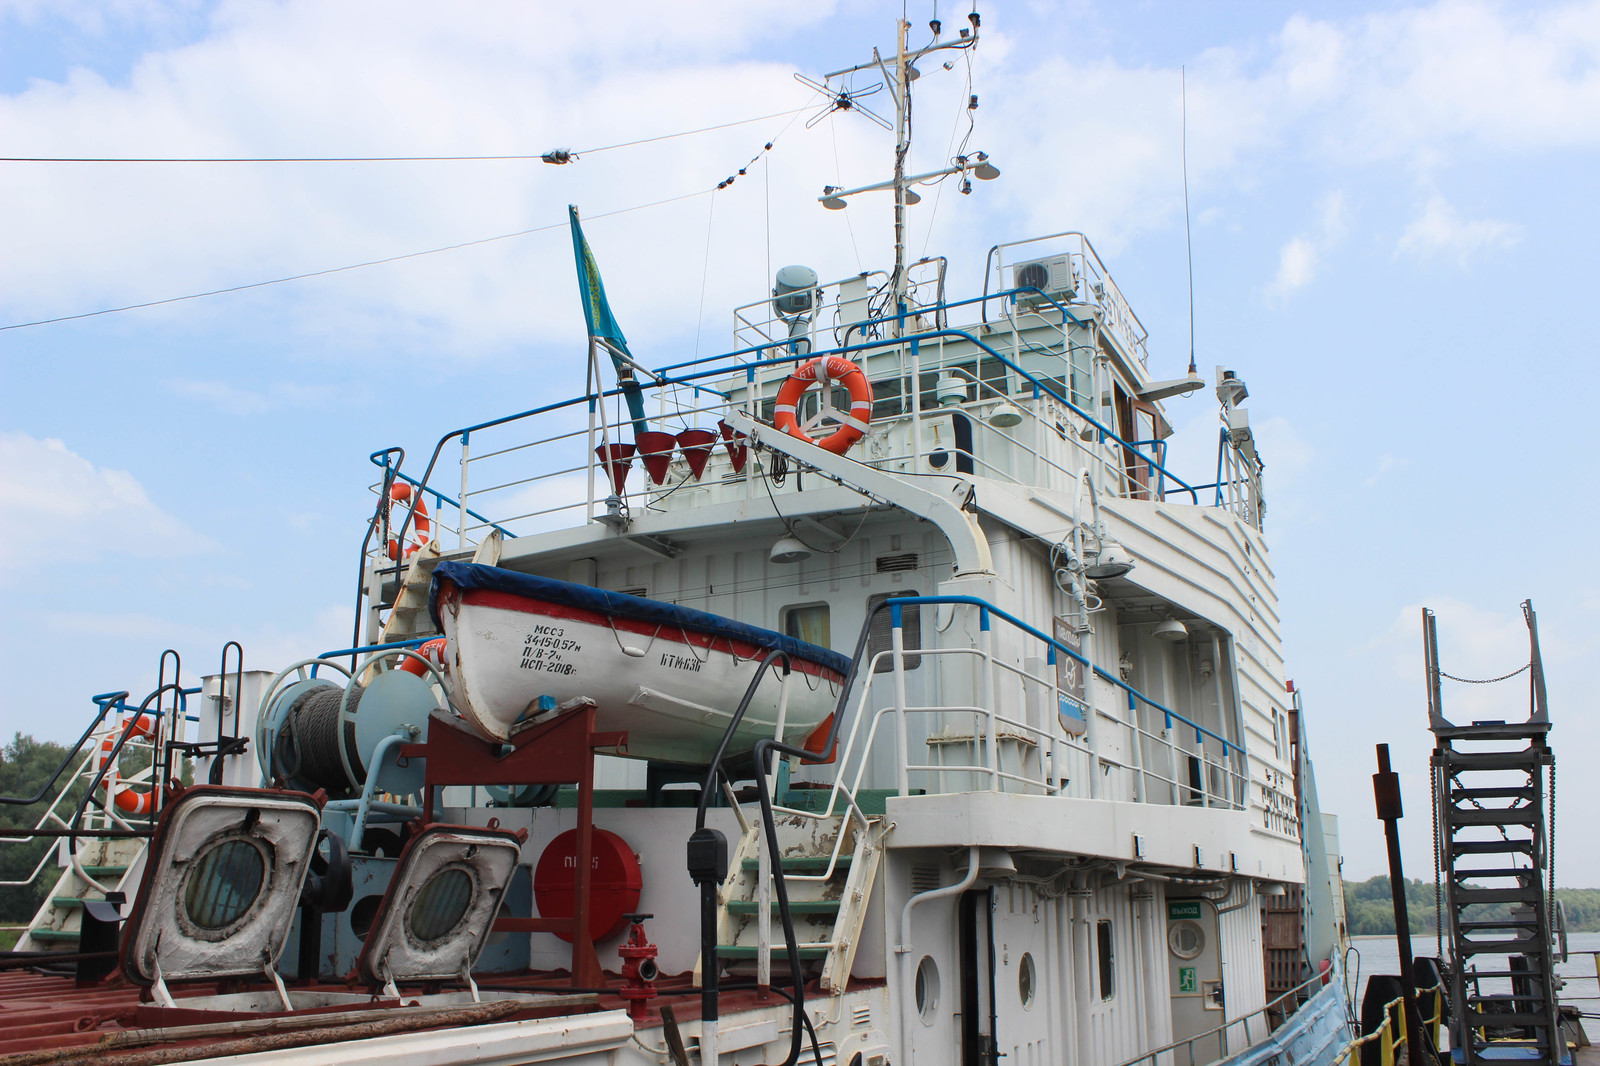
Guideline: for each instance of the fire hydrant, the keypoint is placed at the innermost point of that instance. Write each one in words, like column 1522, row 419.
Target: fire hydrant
column 638, row 968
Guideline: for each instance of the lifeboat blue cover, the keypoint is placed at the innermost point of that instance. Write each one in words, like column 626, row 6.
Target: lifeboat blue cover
column 549, row 589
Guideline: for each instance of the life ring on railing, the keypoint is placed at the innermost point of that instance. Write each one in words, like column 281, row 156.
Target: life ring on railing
column 127, row 799
column 827, row 371
column 421, row 529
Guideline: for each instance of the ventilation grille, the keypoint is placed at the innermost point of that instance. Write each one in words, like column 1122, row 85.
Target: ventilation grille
column 640, row 591
column 861, row 1016
column 925, row 878
column 829, row 1054
column 895, row 564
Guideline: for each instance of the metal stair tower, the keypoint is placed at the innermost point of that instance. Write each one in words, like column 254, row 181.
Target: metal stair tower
column 1494, row 856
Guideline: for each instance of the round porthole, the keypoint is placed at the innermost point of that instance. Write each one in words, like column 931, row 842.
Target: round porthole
column 224, row 884
column 1027, row 980
column 928, row 989
column 1186, row 939
column 441, row 904
column 362, row 914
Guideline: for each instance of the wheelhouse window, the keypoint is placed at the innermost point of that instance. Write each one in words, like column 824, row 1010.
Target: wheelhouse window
column 881, row 636
column 808, row 622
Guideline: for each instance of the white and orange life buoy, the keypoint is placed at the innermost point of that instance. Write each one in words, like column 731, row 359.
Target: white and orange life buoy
column 421, row 530
column 127, row 799
column 827, row 371
column 432, row 650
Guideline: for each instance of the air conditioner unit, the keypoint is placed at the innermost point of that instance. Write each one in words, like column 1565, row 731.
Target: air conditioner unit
column 1054, row 277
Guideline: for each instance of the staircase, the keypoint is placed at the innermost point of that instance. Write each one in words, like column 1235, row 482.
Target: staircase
column 409, row 616
column 829, row 864
column 110, row 865
column 1494, row 852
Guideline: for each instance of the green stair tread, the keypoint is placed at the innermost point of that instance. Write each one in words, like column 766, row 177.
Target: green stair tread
column 810, row 906
column 66, row 902
column 96, row 871
column 803, row 863
column 54, row 934
column 743, row 951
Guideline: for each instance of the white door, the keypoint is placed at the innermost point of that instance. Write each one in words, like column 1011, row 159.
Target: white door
column 1194, row 968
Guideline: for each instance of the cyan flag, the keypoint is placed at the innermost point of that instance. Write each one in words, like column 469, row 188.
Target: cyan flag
column 601, row 322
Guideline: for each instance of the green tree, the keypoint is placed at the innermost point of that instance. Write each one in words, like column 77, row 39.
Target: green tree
column 25, row 766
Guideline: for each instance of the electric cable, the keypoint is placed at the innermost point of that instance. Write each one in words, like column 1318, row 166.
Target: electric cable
column 560, row 155
column 351, row 266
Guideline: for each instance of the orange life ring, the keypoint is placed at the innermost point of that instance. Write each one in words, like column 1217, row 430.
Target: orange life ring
column 432, row 650
column 827, row 371
column 421, row 530
column 126, row 799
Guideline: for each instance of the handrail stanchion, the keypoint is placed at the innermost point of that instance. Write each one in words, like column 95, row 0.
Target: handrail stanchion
column 461, row 513
column 897, row 645
column 988, row 698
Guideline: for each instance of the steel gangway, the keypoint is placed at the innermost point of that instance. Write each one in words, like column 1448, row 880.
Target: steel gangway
column 1494, row 800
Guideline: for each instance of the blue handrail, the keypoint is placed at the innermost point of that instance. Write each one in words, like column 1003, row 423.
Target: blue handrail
column 986, row 608
column 439, row 497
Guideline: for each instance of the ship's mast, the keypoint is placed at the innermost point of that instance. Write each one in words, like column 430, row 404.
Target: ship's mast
column 899, row 84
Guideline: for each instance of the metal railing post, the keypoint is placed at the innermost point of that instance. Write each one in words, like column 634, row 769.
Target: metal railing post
column 897, row 646
column 461, row 514
column 993, row 759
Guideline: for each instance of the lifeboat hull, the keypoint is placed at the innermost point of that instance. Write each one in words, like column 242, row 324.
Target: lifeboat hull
column 671, row 677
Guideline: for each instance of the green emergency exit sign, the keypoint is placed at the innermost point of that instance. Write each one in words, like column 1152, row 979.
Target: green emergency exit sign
column 1186, row 979
column 1179, row 909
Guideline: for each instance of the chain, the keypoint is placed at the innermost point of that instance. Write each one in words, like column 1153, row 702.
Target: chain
column 1551, row 831
column 1438, row 918
column 1486, row 680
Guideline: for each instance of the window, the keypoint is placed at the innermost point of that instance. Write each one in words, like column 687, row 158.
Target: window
column 808, row 622
column 1108, row 972
column 881, row 637
column 927, row 990
column 1027, row 981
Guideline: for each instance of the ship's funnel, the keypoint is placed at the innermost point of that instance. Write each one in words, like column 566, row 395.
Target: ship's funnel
column 697, row 445
column 656, row 448
column 617, row 458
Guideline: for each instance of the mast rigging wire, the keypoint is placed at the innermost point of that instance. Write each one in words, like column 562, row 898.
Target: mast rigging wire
column 569, row 154
column 1188, row 238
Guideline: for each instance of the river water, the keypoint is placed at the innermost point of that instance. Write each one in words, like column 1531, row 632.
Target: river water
column 1380, row 954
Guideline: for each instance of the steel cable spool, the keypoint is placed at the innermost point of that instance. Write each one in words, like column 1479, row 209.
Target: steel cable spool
column 314, row 721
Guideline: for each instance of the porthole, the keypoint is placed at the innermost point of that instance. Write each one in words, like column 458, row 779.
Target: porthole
column 928, row 989
column 1027, row 980
column 439, row 907
column 225, row 883
column 362, row 914
column 1186, row 939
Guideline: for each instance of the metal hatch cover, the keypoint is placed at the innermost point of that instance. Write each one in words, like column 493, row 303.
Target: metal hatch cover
column 440, row 905
column 221, row 885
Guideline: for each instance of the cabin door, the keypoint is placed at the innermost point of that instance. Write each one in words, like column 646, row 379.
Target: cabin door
column 1194, row 973
column 1142, row 426
column 976, row 931
column 1025, row 989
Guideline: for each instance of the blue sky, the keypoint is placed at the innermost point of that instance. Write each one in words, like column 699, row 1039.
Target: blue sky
column 1395, row 236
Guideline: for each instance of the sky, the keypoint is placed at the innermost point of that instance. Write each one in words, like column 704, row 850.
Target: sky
column 1394, row 235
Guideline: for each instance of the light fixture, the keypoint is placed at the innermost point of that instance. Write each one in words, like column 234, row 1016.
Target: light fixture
column 788, row 550
column 1171, row 631
column 912, row 197
column 985, row 170
column 1005, row 416
column 829, row 200
column 952, row 389
column 966, row 187
column 1111, row 560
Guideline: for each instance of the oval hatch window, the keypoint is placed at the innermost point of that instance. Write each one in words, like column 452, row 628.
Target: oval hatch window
column 441, row 904
column 928, row 989
column 1027, row 980
column 225, row 883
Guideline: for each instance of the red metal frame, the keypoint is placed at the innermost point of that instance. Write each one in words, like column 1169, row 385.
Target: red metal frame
column 557, row 752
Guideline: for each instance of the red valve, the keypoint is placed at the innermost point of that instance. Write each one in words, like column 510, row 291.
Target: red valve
column 638, row 968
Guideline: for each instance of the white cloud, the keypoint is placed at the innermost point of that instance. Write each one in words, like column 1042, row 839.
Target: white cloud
column 234, row 400
column 1297, row 265
column 1298, row 259
column 58, row 506
column 1440, row 232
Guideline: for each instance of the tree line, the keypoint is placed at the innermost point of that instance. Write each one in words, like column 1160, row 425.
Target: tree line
column 1369, row 907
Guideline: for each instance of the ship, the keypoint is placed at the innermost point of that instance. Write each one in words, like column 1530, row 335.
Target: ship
column 872, row 693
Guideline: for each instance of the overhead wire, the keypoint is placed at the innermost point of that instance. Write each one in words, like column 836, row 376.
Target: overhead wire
column 350, row 266
column 569, row 153
column 766, row 148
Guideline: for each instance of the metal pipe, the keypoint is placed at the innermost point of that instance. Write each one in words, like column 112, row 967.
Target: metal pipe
column 908, row 997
